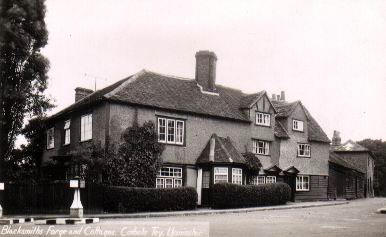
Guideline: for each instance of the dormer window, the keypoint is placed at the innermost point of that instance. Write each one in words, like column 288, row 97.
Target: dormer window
column 297, row 125
column 263, row 119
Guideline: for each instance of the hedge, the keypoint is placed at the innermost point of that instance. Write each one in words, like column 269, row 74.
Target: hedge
column 227, row 195
column 127, row 199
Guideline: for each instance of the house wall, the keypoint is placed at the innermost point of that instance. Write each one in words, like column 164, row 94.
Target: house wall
column 353, row 182
column 318, row 189
column 98, row 132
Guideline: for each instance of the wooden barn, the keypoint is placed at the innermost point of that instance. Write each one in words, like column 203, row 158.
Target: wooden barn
column 345, row 180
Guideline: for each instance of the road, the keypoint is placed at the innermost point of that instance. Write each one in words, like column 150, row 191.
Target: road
column 358, row 218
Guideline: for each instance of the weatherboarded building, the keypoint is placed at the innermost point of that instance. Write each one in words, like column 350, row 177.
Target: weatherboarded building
column 207, row 128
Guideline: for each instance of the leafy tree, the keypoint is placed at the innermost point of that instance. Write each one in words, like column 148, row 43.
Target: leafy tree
column 138, row 159
column 253, row 163
column 378, row 147
column 23, row 69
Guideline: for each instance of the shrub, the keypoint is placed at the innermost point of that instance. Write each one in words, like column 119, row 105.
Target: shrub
column 127, row 199
column 227, row 195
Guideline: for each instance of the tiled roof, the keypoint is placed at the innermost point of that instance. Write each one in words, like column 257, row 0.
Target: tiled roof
column 315, row 132
column 350, row 146
column 280, row 131
column 248, row 100
column 224, row 152
column 173, row 93
column 336, row 159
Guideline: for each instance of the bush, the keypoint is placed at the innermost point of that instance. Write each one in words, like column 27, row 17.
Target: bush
column 127, row 199
column 227, row 195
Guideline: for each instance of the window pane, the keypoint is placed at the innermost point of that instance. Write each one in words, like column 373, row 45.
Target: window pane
column 161, row 129
column 180, row 132
column 171, row 131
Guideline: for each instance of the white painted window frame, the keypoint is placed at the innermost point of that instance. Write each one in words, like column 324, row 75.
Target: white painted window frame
column 265, row 147
column 50, row 138
column 263, row 119
column 270, row 179
column 300, row 183
column 178, row 129
column 298, row 125
column 220, row 171
column 237, row 176
column 86, row 127
column 169, row 177
column 67, row 132
column 306, row 149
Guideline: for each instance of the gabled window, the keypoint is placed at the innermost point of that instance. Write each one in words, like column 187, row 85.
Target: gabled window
column 302, row 183
column 86, row 127
column 304, row 150
column 50, row 138
column 169, row 177
column 67, row 125
column 171, row 131
column 263, row 119
column 297, row 125
column 270, row 179
column 256, row 180
column 237, row 176
column 220, row 175
column 260, row 147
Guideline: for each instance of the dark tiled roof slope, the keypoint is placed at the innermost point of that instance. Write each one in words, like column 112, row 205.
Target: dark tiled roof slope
column 280, row 130
column 224, row 152
column 336, row 159
column 248, row 100
column 315, row 132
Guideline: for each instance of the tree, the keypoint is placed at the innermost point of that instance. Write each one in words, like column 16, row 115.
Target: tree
column 138, row 159
column 253, row 163
column 378, row 148
column 23, row 69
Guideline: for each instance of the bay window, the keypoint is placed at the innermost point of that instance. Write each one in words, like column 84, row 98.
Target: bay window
column 237, row 176
column 270, row 179
column 256, row 180
column 220, row 175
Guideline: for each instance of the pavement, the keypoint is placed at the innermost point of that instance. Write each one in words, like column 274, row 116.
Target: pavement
column 199, row 211
column 354, row 219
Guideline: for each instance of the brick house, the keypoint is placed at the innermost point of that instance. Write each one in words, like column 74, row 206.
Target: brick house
column 360, row 158
column 206, row 128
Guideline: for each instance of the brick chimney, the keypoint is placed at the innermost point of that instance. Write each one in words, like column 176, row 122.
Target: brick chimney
column 206, row 70
column 282, row 96
column 80, row 93
column 336, row 140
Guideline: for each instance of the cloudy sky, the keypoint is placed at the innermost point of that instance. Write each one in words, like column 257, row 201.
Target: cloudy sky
column 331, row 55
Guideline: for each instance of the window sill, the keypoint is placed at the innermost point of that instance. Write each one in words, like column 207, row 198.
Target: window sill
column 261, row 154
column 302, row 190
column 171, row 144
column 298, row 130
column 307, row 157
column 66, row 144
column 262, row 125
column 51, row 148
column 88, row 140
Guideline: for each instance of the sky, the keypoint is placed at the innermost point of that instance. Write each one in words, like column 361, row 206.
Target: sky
column 331, row 55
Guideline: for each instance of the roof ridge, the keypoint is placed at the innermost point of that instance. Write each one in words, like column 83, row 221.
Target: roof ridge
column 124, row 84
column 168, row 75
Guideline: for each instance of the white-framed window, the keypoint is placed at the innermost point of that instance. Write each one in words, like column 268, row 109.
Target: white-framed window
column 256, row 180
column 260, row 147
column 270, row 179
column 205, row 179
column 67, row 125
column 220, row 175
column 171, row 131
column 237, row 176
column 86, row 127
column 302, row 183
column 304, row 150
column 263, row 119
column 50, row 138
column 297, row 125
column 169, row 177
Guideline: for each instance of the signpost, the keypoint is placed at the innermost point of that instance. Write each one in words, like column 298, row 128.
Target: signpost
column 76, row 209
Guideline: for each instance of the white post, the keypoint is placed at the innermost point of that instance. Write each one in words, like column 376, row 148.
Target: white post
column 1, row 211
column 1, row 189
column 199, row 186
column 76, row 209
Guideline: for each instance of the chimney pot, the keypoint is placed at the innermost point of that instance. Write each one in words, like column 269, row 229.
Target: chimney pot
column 273, row 97
column 80, row 93
column 282, row 96
column 278, row 97
column 336, row 140
column 206, row 70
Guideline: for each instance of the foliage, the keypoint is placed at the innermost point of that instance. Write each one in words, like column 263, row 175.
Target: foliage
column 378, row 148
column 23, row 69
column 138, row 159
column 127, row 199
column 252, row 162
column 24, row 164
column 227, row 195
